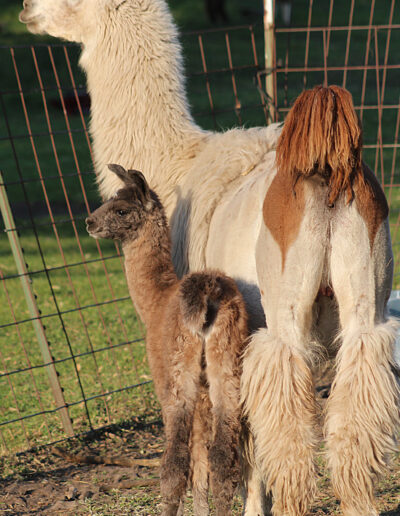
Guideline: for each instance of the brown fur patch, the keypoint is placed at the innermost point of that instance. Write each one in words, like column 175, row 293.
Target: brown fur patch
column 322, row 134
column 371, row 202
column 283, row 210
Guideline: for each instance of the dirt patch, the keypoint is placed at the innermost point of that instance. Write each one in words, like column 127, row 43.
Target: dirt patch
column 65, row 479
column 47, row 481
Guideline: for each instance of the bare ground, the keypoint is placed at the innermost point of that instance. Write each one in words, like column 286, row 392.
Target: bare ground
column 48, row 481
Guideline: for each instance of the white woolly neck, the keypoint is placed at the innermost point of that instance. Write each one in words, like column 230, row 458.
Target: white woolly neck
column 140, row 116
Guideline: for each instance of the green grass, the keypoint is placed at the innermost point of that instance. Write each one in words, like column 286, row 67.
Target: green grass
column 95, row 328
column 98, row 327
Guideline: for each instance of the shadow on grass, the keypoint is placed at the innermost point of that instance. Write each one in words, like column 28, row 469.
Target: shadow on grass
column 33, row 464
column 395, row 512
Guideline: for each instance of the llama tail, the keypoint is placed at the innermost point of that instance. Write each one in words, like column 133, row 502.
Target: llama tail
column 322, row 134
column 203, row 294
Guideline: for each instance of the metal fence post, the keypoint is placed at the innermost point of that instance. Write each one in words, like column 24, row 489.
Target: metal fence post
column 26, row 281
column 269, row 55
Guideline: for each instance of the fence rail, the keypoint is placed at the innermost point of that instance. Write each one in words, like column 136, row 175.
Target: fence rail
column 84, row 314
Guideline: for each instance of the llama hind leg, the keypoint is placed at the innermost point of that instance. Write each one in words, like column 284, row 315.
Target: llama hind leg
column 200, row 444
column 222, row 358
column 176, row 461
column 255, row 499
column 362, row 410
column 279, row 400
column 277, row 386
column 178, row 411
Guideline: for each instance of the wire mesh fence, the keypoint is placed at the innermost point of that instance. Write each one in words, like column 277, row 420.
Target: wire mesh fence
column 72, row 355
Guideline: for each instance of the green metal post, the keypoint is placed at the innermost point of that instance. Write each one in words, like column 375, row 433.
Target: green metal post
column 26, row 281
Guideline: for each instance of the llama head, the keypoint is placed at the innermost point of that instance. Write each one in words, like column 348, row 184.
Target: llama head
column 73, row 20
column 124, row 215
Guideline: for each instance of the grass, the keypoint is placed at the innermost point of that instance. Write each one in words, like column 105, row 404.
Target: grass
column 67, row 152
column 96, row 327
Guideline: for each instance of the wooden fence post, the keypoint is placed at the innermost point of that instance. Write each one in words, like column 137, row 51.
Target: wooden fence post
column 30, row 299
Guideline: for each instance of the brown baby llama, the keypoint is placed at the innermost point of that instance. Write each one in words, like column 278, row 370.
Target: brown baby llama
column 196, row 328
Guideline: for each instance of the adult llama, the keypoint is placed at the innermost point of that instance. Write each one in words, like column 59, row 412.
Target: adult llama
column 229, row 209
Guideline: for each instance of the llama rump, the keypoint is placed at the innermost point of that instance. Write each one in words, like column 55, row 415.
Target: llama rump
column 196, row 329
column 325, row 227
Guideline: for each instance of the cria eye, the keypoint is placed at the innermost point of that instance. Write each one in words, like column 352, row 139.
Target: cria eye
column 121, row 213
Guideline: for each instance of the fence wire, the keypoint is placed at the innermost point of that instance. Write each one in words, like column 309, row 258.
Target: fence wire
column 84, row 317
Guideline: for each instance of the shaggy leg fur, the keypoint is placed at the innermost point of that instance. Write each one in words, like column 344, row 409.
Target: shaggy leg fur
column 223, row 457
column 178, row 411
column 200, row 444
column 278, row 394
column 363, row 410
column 176, row 460
column 222, row 351
column 363, row 415
column 256, row 501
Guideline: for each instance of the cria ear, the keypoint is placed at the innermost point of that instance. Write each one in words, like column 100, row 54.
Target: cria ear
column 121, row 173
column 137, row 179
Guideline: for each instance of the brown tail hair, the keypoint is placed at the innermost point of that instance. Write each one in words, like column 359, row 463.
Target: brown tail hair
column 322, row 133
column 201, row 295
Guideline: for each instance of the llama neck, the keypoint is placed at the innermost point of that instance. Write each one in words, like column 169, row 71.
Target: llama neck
column 149, row 270
column 140, row 116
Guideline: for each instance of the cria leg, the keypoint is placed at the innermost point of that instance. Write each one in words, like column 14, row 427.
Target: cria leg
column 200, row 443
column 222, row 358
column 363, row 410
column 176, row 460
column 178, row 410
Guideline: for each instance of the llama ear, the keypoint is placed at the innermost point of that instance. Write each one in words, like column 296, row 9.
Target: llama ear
column 138, row 179
column 121, row 173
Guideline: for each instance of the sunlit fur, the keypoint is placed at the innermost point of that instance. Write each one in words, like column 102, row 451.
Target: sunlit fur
column 140, row 118
column 213, row 185
column 196, row 330
column 322, row 133
column 329, row 237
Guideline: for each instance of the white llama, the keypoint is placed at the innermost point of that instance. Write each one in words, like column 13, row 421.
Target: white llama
column 213, row 187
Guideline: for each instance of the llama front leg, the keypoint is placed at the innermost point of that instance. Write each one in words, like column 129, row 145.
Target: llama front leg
column 363, row 407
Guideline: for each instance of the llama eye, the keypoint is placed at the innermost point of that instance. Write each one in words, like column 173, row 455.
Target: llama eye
column 121, row 213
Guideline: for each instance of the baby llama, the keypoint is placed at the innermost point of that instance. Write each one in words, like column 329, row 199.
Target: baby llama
column 196, row 328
